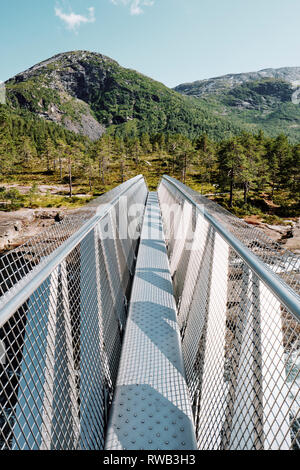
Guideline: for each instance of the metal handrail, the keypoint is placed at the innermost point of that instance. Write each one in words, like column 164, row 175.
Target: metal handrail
column 279, row 288
column 20, row 292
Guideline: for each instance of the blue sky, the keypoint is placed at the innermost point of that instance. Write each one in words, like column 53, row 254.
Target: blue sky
column 173, row 41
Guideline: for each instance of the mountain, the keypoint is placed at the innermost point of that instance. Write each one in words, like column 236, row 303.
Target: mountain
column 268, row 99
column 89, row 93
column 226, row 82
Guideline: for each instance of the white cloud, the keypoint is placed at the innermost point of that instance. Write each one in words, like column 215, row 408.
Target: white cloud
column 136, row 6
column 73, row 21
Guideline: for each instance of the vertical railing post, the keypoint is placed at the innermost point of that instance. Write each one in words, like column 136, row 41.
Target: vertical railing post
column 92, row 400
column 195, row 261
column 260, row 412
column 181, row 235
column 113, row 269
column 245, row 387
column 193, row 308
column 2, row 353
column 34, row 412
column 276, row 423
column 66, row 389
column 212, row 404
column 48, row 411
column 174, row 221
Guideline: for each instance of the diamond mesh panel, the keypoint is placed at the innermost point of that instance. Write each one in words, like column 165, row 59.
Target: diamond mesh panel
column 240, row 343
column 60, row 350
column 18, row 262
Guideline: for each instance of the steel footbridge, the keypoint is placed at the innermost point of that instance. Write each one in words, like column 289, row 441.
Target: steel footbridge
column 154, row 321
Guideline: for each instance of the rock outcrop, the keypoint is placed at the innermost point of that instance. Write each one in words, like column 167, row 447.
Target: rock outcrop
column 63, row 89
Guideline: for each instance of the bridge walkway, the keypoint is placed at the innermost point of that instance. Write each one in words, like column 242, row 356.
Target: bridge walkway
column 151, row 408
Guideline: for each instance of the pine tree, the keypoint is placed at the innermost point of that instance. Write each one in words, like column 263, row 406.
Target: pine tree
column 207, row 159
column 230, row 159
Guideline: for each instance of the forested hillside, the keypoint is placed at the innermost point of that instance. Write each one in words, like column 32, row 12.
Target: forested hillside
column 267, row 100
column 89, row 93
column 258, row 174
column 84, row 124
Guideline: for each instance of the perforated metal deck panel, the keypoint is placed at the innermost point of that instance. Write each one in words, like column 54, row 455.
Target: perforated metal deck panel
column 151, row 409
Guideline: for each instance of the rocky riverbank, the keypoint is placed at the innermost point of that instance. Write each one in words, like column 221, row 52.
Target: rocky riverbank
column 17, row 227
column 287, row 235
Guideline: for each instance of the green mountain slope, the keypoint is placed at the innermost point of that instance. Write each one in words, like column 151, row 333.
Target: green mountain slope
column 267, row 100
column 89, row 93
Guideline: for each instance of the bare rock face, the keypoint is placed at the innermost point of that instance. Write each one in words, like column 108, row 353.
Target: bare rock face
column 64, row 90
column 293, row 243
column 90, row 127
column 86, row 125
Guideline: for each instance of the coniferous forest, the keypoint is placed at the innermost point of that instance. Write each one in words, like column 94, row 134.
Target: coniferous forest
column 248, row 173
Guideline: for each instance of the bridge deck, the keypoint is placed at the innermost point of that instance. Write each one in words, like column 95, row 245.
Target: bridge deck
column 151, row 408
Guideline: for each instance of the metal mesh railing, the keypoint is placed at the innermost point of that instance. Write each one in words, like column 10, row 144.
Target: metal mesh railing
column 19, row 262
column 62, row 316
column 239, row 315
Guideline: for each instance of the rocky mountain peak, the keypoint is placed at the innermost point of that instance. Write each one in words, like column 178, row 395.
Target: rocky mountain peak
column 62, row 61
